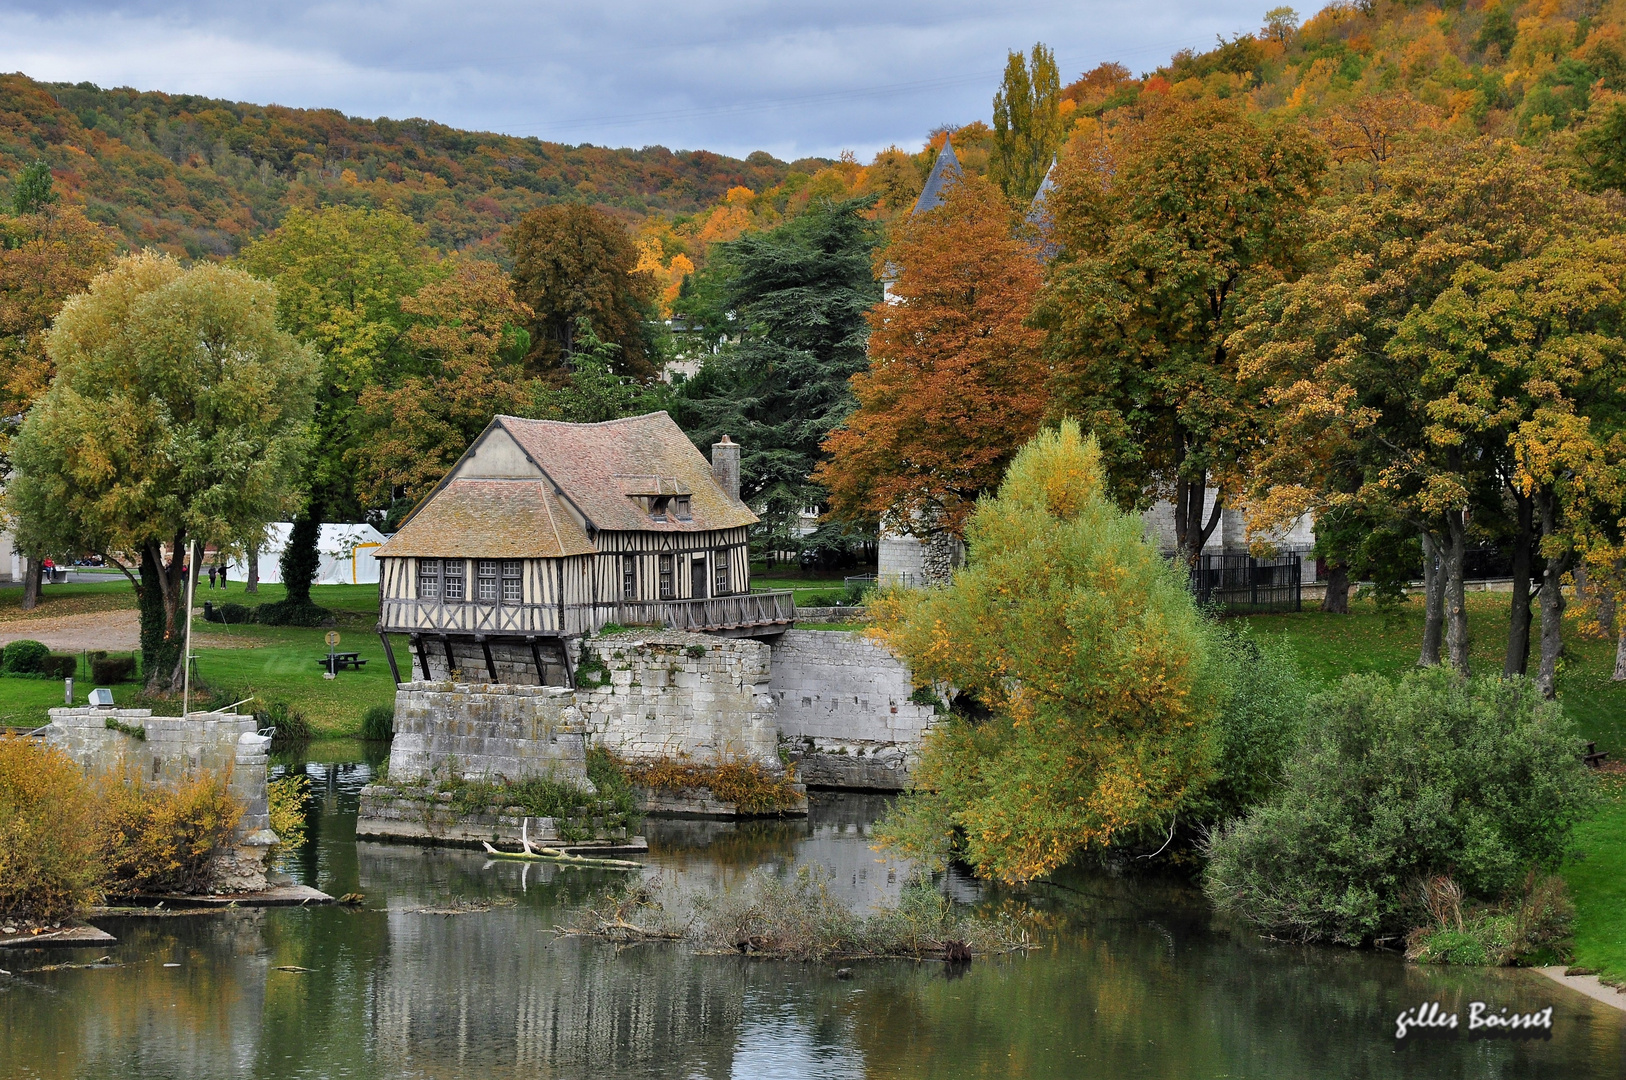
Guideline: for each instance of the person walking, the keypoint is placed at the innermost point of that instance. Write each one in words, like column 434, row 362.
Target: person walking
column 211, row 577
column 221, row 570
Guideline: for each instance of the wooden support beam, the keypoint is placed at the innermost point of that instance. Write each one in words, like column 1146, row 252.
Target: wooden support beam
column 570, row 669
column 389, row 654
column 485, row 648
column 451, row 660
column 416, row 641
column 536, row 658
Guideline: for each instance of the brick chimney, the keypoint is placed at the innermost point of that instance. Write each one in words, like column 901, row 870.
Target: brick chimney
column 725, row 465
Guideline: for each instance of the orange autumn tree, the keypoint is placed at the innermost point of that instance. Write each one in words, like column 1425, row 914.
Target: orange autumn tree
column 955, row 382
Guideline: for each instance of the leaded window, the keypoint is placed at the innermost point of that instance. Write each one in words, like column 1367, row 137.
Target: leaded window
column 513, row 584
column 429, row 579
column 486, row 581
column 721, row 574
column 629, row 577
column 666, row 577
column 451, row 578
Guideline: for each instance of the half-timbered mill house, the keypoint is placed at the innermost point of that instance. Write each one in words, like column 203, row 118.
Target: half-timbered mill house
column 544, row 532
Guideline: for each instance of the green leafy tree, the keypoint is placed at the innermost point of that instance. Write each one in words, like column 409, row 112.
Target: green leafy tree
column 572, row 261
column 33, row 191
column 341, row 274
column 1027, row 124
column 1086, row 650
column 180, row 412
column 801, row 295
column 1443, row 310
column 1164, row 234
column 594, row 392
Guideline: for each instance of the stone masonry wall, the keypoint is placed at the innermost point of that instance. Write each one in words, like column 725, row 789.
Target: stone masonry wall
column 842, row 687
column 667, row 694
column 174, row 751
column 483, row 732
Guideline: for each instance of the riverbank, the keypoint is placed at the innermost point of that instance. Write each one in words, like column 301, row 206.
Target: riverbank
column 452, row 967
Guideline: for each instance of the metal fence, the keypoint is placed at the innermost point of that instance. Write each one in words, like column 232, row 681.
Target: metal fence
column 1242, row 584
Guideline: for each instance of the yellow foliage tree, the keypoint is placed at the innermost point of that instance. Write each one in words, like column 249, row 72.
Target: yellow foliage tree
column 1089, row 656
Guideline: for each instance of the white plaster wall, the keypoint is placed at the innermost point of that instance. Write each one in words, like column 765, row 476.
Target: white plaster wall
column 899, row 559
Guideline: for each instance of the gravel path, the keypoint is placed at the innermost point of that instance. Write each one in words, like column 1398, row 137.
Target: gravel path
column 115, row 631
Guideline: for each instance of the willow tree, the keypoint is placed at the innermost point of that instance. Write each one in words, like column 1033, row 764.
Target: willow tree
column 1087, row 652
column 179, row 412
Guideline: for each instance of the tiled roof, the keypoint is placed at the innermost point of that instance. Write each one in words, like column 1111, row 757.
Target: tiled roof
column 600, row 466
column 490, row 519
column 946, row 166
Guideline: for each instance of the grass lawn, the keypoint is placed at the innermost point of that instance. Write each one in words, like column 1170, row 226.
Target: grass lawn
column 271, row 663
column 1331, row 646
column 76, row 599
column 1596, row 876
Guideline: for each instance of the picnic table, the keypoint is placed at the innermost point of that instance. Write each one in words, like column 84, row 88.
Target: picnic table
column 341, row 660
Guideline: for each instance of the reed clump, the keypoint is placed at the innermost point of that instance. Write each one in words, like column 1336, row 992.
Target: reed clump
column 798, row 918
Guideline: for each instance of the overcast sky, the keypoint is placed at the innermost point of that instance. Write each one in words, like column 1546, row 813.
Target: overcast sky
column 732, row 76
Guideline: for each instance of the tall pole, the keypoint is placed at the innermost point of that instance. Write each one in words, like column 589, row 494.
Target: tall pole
column 191, row 585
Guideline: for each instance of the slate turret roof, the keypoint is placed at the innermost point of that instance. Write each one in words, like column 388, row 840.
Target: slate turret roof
column 946, row 167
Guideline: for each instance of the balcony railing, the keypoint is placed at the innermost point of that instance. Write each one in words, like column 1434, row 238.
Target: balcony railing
column 720, row 613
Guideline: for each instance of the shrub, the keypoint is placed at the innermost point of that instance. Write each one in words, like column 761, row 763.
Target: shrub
column 291, row 728
column 231, row 614
column 613, row 784
column 59, row 667
column 286, row 805
column 162, row 840
column 23, row 657
column 378, row 723
column 49, row 864
column 1398, row 783
column 1527, row 929
column 1260, row 722
column 752, row 788
column 289, row 613
column 108, row 670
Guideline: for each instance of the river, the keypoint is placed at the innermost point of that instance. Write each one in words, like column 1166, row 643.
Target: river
column 1132, row 979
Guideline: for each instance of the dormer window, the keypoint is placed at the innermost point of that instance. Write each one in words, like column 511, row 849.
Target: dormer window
column 657, row 506
column 681, row 508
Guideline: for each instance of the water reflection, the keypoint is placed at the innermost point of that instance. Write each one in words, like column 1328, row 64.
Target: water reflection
column 1133, row 980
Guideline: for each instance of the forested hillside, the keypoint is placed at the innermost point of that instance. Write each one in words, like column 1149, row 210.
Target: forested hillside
column 199, row 177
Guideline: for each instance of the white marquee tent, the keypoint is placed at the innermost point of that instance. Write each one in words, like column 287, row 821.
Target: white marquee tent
column 346, row 551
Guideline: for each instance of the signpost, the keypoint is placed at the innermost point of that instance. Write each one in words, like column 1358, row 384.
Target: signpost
column 332, row 644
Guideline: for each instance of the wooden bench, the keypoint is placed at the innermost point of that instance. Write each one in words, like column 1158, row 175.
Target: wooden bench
column 1595, row 757
column 342, row 660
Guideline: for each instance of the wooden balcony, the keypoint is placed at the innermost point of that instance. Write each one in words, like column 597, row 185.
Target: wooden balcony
column 743, row 615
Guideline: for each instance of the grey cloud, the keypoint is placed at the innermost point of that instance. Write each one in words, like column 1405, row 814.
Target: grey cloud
column 726, row 75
